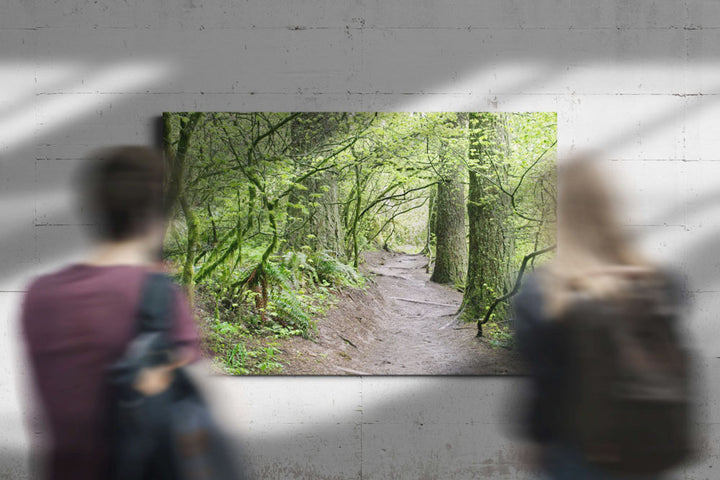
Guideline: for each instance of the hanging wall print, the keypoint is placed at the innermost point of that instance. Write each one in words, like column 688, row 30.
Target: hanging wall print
column 359, row 243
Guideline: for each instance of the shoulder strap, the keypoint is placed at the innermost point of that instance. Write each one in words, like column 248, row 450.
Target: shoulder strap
column 156, row 303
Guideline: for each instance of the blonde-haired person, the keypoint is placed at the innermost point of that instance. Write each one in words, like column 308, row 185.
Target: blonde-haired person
column 596, row 261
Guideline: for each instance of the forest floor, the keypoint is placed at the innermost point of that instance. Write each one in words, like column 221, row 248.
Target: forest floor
column 400, row 324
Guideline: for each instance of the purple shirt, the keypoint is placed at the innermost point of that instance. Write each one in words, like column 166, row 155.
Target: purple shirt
column 76, row 322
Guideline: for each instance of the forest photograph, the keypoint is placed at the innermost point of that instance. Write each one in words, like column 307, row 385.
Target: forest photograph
column 359, row 243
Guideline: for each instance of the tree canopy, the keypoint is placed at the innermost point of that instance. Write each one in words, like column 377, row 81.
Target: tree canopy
column 272, row 211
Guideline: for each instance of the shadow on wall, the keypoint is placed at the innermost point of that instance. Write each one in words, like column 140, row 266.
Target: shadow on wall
column 16, row 193
column 442, row 431
column 372, row 434
column 13, row 463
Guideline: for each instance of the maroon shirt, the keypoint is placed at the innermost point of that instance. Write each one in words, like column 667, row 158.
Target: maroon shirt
column 76, row 322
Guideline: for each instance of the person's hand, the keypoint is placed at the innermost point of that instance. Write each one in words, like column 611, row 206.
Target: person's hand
column 154, row 380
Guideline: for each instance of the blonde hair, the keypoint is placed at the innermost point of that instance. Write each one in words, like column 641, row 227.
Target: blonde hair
column 594, row 257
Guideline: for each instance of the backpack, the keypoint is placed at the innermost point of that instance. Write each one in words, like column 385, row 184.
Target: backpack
column 628, row 408
column 169, row 436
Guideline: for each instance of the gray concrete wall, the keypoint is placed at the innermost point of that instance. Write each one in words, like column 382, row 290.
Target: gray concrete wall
column 637, row 79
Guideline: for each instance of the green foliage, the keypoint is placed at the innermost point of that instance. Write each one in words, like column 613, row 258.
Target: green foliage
column 288, row 308
column 297, row 296
column 284, row 203
column 238, row 360
column 330, row 271
column 300, row 265
column 499, row 335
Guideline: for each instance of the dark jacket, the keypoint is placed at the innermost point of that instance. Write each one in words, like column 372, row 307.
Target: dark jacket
column 543, row 345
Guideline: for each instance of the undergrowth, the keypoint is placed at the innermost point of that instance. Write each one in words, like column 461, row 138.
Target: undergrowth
column 499, row 334
column 241, row 332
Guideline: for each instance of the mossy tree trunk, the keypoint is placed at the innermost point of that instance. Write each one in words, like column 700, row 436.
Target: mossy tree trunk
column 324, row 218
column 313, row 206
column 430, row 229
column 178, row 157
column 487, row 209
column 449, row 222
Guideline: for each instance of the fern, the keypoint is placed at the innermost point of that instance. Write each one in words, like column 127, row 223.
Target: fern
column 299, row 265
column 292, row 311
column 332, row 271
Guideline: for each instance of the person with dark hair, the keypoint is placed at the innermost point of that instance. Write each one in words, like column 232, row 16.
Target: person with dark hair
column 123, row 191
column 79, row 320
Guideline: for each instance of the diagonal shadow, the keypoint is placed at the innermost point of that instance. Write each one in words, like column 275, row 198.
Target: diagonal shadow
column 279, row 450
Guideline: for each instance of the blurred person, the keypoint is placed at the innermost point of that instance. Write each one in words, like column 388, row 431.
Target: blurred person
column 79, row 320
column 608, row 392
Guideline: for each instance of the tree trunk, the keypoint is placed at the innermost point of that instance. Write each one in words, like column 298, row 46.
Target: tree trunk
column 450, row 240
column 190, row 247
column 177, row 188
column 324, row 218
column 356, row 216
column 487, row 210
column 313, row 209
column 429, row 231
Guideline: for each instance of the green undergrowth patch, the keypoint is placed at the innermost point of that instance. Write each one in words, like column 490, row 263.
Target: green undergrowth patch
column 242, row 334
column 499, row 335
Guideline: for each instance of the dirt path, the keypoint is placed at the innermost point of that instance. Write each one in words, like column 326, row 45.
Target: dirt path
column 403, row 324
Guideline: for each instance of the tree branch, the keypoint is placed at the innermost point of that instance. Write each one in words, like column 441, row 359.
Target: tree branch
column 515, row 288
column 375, row 202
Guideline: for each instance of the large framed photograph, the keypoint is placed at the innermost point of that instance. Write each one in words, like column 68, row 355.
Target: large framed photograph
column 359, row 243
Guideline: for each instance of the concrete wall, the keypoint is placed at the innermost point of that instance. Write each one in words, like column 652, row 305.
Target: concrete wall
column 639, row 79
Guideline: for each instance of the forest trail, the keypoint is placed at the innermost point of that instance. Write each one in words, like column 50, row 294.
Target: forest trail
column 402, row 324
